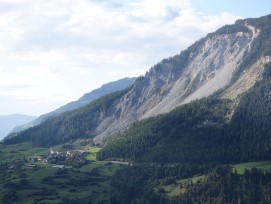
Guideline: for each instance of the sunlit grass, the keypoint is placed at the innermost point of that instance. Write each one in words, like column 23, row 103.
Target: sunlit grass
column 180, row 185
column 240, row 168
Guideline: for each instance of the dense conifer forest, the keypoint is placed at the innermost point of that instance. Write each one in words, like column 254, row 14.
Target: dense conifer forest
column 220, row 185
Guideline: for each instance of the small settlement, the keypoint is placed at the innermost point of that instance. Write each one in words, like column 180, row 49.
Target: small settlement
column 58, row 158
column 79, row 155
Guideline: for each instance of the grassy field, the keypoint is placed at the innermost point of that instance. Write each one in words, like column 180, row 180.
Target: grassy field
column 179, row 186
column 92, row 153
column 264, row 166
column 19, row 151
column 46, row 184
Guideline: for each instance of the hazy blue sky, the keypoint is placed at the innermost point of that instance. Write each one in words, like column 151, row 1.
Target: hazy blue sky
column 53, row 51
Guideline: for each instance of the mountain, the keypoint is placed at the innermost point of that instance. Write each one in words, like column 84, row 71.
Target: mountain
column 8, row 122
column 230, row 60
column 183, row 130
column 203, row 127
column 95, row 94
column 203, row 138
column 82, row 101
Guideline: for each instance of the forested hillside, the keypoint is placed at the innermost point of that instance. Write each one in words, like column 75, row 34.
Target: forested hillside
column 199, row 132
column 80, row 123
column 183, row 135
column 82, row 101
column 221, row 185
column 193, row 140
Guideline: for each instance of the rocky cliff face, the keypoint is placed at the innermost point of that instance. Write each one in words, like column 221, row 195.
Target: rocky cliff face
column 204, row 68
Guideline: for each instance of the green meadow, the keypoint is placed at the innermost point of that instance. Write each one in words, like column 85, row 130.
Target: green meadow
column 46, row 184
column 174, row 189
column 19, row 151
column 264, row 166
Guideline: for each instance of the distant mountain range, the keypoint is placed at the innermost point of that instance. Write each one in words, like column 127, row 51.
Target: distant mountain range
column 8, row 122
column 85, row 99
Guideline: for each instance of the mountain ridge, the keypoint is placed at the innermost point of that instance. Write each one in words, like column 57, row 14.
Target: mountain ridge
column 85, row 99
column 7, row 122
column 212, row 63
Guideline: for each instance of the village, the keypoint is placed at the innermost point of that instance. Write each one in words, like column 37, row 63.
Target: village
column 60, row 159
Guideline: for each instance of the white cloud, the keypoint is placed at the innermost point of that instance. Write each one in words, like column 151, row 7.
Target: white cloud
column 54, row 51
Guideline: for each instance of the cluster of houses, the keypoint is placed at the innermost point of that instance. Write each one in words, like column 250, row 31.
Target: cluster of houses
column 56, row 155
column 66, row 154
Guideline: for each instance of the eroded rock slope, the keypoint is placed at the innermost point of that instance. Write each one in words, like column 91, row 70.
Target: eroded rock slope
column 204, row 68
